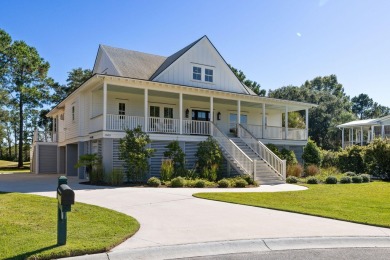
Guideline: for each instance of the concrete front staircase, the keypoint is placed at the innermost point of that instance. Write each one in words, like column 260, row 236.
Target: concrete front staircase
column 264, row 174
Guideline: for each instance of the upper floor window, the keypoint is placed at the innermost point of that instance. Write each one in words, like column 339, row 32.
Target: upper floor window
column 208, row 75
column 196, row 73
column 73, row 109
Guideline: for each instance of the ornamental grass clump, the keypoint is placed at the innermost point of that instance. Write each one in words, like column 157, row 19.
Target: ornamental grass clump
column 166, row 171
column 311, row 170
column 116, row 177
column 294, row 170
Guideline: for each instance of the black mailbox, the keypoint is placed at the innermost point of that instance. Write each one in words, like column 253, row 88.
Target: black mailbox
column 65, row 195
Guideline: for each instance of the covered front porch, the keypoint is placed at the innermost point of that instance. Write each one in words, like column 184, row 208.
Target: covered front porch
column 117, row 107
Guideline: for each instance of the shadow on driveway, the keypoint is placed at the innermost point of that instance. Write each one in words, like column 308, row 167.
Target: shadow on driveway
column 29, row 183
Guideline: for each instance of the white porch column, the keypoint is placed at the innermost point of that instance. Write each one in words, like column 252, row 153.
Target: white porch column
column 372, row 132
column 238, row 115
column 211, row 114
column 146, row 109
column 263, row 123
column 361, row 135
column 286, row 124
column 104, row 105
column 307, row 122
column 181, row 113
column 383, row 132
column 352, row 137
column 342, row 138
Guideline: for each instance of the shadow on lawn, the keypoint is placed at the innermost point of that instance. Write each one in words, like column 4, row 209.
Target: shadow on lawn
column 27, row 254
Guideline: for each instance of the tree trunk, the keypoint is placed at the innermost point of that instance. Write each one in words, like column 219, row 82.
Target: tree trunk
column 20, row 157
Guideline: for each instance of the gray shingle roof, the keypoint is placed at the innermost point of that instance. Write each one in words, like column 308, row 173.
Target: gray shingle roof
column 133, row 64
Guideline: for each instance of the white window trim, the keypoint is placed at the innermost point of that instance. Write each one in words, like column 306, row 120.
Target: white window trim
column 202, row 73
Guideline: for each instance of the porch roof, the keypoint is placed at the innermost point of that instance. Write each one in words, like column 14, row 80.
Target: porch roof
column 360, row 123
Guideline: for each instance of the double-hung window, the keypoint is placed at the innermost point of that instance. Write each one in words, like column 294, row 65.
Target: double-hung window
column 196, row 73
column 73, row 113
column 208, row 76
column 122, row 110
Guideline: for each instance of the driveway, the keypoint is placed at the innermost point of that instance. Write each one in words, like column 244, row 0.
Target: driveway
column 173, row 216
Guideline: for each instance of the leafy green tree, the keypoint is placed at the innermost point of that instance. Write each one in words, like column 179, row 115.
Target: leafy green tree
column 361, row 105
column 133, row 150
column 24, row 81
column 209, row 159
column 311, row 154
column 76, row 77
column 377, row 111
column 5, row 45
column 289, row 156
column 176, row 154
column 377, row 158
column 253, row 85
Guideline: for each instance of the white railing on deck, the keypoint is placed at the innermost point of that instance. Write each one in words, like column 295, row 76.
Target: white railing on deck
column 246, row 163
column 274, row 132
column 256, row 130
column 163, row 125
column 296, row 134
column 96, row 123
column 42, row 136
column 264, row 153
column 122, row 122
column 196, row 127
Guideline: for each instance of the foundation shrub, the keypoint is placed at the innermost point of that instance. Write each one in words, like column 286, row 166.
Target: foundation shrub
column 200, row 183
column 377, row 158
column 240, row 183
column 289, row 156
column 312, row 180
column 178, row 182
column 294, row 170
column 177, row 156
column 154, row 182
column 223, row 183
column 311, row 170
column 248, row 179
column 116, row 177
column 311, row 154
column 366, row 177
column 209, row 159
column 291, row 179
column 350, row 174
column 331, row 180
column 345, row 180
column 167, row 169
column 329, row 158
column 352, row 159
column 357, row 179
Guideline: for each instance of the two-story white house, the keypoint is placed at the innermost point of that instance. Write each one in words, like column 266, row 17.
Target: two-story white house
column 187, row 96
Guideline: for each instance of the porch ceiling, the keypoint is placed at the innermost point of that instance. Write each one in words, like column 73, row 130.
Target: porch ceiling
column 123, row 89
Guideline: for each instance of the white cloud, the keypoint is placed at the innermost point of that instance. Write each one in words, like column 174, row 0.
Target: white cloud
column 299, row 34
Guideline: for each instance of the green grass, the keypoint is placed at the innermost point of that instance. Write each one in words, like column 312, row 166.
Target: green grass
column 12, row 167
column 29, row 228
column 366, row 203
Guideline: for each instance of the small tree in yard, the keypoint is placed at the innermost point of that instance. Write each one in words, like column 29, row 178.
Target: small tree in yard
column 311, row 154
column 176, row 154
column 377, row 158
column 209, row 159
column 134, row 152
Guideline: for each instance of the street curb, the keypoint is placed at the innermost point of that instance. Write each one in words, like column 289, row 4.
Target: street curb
column 240, row 246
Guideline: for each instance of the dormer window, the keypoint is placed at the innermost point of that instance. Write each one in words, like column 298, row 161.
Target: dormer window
column 196, row 73
column 208, row 75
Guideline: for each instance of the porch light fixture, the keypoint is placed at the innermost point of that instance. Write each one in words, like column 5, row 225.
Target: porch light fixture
column 187, row 113
column 219, row 116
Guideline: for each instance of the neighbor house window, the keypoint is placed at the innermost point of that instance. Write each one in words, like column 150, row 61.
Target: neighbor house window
column 154, row 111
column 197, row 73
column 208, row 75
column 73, row 113
column 122, row 109
column 168, row 112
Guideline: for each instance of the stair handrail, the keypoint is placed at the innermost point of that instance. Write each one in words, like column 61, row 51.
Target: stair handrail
column 269, row 157
column 241, row 158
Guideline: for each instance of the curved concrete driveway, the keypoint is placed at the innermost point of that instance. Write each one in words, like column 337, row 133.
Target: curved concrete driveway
column 173, row 216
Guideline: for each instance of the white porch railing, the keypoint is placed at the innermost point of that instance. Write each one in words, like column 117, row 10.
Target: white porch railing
column 264, row 153
column 296, row 134
column 163, row 125
column 245, row 162
column 273, row 132
column 196, row 127
column 256, row 130
column 42, row 136
column 122, row 122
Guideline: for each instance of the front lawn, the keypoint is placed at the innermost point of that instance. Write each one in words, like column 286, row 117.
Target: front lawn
column 366, row 203
column 29, row 228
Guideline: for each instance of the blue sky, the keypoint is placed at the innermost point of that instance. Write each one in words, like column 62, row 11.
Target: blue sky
column 274, row 42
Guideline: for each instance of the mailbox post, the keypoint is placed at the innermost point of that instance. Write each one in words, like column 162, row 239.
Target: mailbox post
column 65, row 197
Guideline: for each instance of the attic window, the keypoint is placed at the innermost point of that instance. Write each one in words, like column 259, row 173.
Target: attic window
column 197, row 73
column 208, row 75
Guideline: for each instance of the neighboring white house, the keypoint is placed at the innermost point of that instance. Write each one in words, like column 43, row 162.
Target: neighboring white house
column 187, row 96
column 362, row 132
